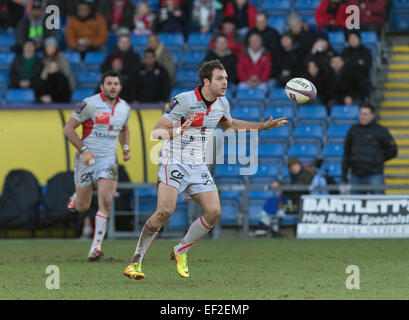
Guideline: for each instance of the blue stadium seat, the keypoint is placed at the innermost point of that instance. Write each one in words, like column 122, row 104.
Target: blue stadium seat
column 147, row 193
column 304, row 152
column 400, row 4
column 334, row 169
column 154, row 4
column 278, row 23
column 88, row 79
column 192, row 59
column 176, row 58
column 276, row 7
column 341, row 114
column 250, row 113
column 198, row 41
column 4, row 79
column 337, row 133
column 255, row 195
column 20, row 96
column 179, row 219
column 333, row 152
column 254, row 211
column 277, row 96
column 306, row 6
column 337, row 40
column 288, row 221
column 265, row 174
column 6, row 42
column 285, row 174
column 369, row 39
column 250, row 96
column 112, row 41
column 229, row 215
column 229, row 96
column 279, row 111
column 256, row 3
column 139, row 42
column 310, row 20
column 228, row 173
column 312, row 115
column 187, row 78
column 94, row 59
column 399, row 21
column 313, row 133
column 272, row 153
column 230, row 196
column 278, row 135
column 74, row 58
column 6, row 58
column 172, row 41
column 80, row 94
column 176, row 91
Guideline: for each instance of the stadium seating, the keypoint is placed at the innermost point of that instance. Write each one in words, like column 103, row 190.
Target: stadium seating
column 337, row 40
column 306, row 153
column 172, row 41
column 266, row 174
column 230, row 197
column 280, row 111
column 310, row 20
column 186, row 78
column 272, row 153
column 277, row 96
column 313, row 133
column 332, row 152
column 278, row 135
column 88, row 79
column 179, row 219
column 79, row 94
column 74, row 59
column 259, row 196
column 334, row 169
column 250, row 96
column 139, row 42
column 341, row 114
column 306, row 6
column 276, row 7
column 278, row 23
column 20, row 96
column 176, row 58
column 4, row 79
column 250, row 113
column 228, row 174
column 6, row 42
column 192, row 59
column 198, row 41
column 254, row 212
column 230, row 215
column 337, row 133
column 312, row 115
column 94, row 59
column 6, row 59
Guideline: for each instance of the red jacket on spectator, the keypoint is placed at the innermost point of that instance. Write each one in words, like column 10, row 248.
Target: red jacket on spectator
column 233, row 43
column 229, row 11
column 246, row 68
column 372, row 13
column 322, row 17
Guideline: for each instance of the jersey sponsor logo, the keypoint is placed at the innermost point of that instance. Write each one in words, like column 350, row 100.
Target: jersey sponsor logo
column 86, row 177
column 204, row 175
column 101, row 135
column 199, row 120
column 173, row 103
column 80, row 106
column 102, row 118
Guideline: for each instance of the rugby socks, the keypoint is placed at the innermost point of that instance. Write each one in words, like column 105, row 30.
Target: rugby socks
column 148, row 235
column 101, row 221
column 198, row 229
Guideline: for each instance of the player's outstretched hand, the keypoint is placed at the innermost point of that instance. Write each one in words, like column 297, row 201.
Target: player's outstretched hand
column 127, row 155
column 188, row 122
column 271, row 124
column 88, row 158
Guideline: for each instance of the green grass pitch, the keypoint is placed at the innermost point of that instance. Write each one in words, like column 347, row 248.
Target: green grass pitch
column 219, row 269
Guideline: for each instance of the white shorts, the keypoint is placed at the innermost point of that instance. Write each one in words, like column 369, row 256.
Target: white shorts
column 104, row 167
column 188, row 179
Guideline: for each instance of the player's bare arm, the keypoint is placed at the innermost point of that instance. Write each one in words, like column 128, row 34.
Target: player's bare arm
column 165, row 129
column 72, row 136
column 124, row 141
column 235, row 125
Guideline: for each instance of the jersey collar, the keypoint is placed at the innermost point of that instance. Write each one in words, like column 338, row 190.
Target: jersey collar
column 103, row 99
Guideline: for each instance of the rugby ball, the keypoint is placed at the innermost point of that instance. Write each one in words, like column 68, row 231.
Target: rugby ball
column 300, row 90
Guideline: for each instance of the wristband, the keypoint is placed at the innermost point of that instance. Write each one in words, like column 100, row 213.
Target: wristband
column 125, row 147
column 179, row 130
column 83, row 149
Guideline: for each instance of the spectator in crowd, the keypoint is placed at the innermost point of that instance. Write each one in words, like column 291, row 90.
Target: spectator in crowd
column 331, row 15
column 152, row 81
column 52, row 52
column 143, row 19
column 270, row 36
column 87, row 30
column 243, row 13
column 321, row 52
column 10, row 14
column 367, row 146
column 26, row 68
column 129, row 58
column 53, row 86
column 204, row 16
column 286, row 60
column 356, row 55
column 318, row 181
column 33, row 27
column 254, row 66
column 298, row 176
column 163, row 56
column 320, row 78
column 171, row 18
column 348, row 84
column 117, row 13
column 371, row 14
column 234, row 40
column 225, row 56
column 303, row 38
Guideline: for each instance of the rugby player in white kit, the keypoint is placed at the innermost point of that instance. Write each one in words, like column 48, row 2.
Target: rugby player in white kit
column 185, row 128
column 104, row 120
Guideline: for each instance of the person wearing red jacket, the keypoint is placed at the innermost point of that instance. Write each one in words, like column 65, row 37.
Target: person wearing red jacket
column 244, row 14
column 331, row 14
column 234, row 40
column 371, row 13
column 254, row 65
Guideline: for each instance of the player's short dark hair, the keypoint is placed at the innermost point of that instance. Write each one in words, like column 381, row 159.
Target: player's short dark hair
column 111, row 73
column 368, row 106
column 207, row 67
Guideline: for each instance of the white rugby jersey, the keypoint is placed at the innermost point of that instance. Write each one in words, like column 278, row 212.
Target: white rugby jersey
column 101, row 123
column 190, row 147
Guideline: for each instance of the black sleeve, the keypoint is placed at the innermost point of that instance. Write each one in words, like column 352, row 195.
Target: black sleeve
column 390, row 149
column 14, row 75
column 164, row 85
column 346, row 155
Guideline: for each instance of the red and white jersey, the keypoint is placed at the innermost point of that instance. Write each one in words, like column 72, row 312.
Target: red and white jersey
column 101, row 123
column 190, row 147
